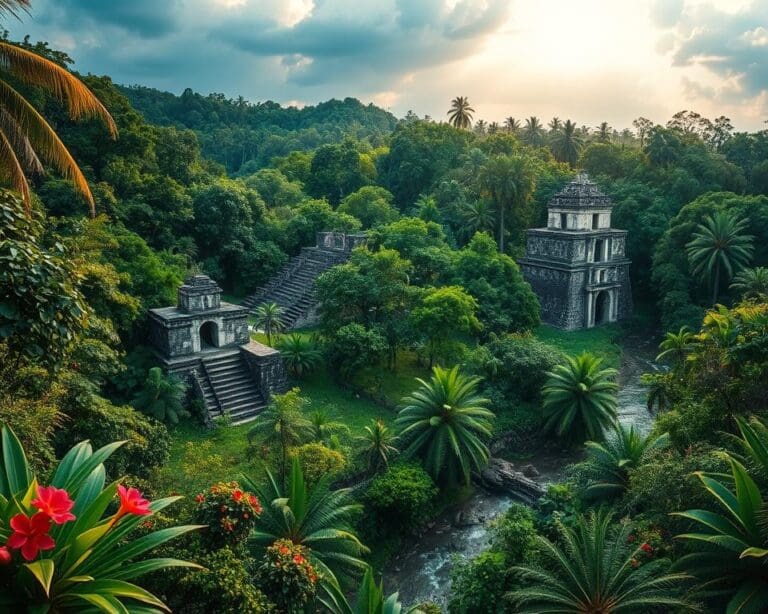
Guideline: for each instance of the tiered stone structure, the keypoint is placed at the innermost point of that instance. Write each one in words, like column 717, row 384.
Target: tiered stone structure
column 206, row 342
column 576, row 265
column 293, row 286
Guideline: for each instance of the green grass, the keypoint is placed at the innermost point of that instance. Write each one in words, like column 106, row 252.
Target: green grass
column 602, row 341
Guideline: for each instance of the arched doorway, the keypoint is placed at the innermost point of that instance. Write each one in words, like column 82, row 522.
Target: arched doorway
column 602, row 307
column 209, row 335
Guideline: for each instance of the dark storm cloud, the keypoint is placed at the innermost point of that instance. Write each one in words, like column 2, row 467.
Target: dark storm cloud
column 733, row 46
column 333, row 43
column 144, row 18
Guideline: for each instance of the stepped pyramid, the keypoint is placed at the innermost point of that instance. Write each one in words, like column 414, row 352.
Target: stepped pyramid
column 293, row 286
column 206, row 342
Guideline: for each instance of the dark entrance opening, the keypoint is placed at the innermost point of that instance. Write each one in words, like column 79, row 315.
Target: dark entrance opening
column 209, row 335
column 595, row 220
column 563, row 221
column 598, row 250
column 602, row 308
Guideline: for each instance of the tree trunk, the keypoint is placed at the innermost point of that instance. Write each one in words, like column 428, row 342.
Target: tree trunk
column 501, row 228
column 716, row 284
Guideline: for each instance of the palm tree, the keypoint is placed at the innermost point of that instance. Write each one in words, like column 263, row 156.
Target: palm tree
column 579, row 398
column 460, row 113
column 269, row 317
column 604, row 132
column 284, row 424
column 555, row 124
column 512, row 125
column 299, row 353
column 751, row 283
column 447, row 424
column 493, row 127
column 378, row 445
column 676, row 346
column 730, row 551
column 510, row 182
column 590, row 569
column 26, row 138
column 719, row 247
column 369, row 600
column 478, row 216
column 533, row 134
column 480, row 126
column 567, row 143
column 323, row 427
column 317, row 518
column 658, row 396
column 608, row 463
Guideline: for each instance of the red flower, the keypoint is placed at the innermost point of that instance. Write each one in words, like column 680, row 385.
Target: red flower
column 283, row 550
column 254, row 503
column 646, row 548
column 30, row 534
column 54, row 503
column 131, row 502
column 5, row 556
column 200, row 498
column 237, row 495
column 298, row 559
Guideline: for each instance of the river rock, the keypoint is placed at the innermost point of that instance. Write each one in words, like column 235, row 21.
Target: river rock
column 501, row 475
column 529, row 471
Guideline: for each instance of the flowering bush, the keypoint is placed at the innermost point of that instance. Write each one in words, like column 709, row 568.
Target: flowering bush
column 61, row 552
column 287, row 577
column 228, row 511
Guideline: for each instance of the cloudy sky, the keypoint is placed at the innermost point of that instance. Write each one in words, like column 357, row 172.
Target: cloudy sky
column 589, row 60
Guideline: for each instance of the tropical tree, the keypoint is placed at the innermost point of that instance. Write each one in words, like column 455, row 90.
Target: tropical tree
column 609, row 462
column 378, row 445
column 26, row 138
column 730, row 551
column 269, row 318
column 493, row 127
column 480, row 127
column 579, row 398
column 658, row 397
column 719, row 248
column 318, row 518
column 510, row 182
column 751, row 283
column 590, row 569
column 604, row 132
column 282, row 423
column 324, row 428
column 460, row 113
column 567, row 143
column 63, row 552
column 478, row 216
column 555, row 124
column 370, row 599
column 300, row 353
column 676, row 346
column 533, row 133
column 512, row 125
column 161, row 397
column 447, row 424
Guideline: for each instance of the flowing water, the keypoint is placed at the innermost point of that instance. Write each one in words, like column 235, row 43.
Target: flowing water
column 421, row 571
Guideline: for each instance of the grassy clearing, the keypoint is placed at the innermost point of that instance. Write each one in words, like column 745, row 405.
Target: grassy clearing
column 602, row 341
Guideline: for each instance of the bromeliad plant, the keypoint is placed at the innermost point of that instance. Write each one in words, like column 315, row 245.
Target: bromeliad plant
column 62, row 552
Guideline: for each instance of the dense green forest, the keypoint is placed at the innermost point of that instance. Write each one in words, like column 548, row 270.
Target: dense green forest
column 197, row 183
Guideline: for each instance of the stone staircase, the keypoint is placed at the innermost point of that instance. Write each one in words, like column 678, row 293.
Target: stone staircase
column 293, row 286
column 227, row 387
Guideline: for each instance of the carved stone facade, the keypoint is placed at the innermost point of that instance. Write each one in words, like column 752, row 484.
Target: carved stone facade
column 206, row 342
column 577, row 264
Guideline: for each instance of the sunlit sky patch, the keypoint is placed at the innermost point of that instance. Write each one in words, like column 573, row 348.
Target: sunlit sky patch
column 589, row 60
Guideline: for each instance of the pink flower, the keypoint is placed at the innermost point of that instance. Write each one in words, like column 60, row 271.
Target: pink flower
column 31, row 534
column 131, row 502
column 54, row 503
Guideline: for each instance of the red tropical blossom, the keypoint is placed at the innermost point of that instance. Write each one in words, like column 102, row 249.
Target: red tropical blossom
column 298, row 559
column 30, row 534
column 237, row 495
column 647, row 548
column 54, row 503
column 200, row 498
column 5, row 556
column 131, row 502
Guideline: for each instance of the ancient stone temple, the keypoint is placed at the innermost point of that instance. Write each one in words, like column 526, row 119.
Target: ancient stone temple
column 576, row 265
column 206, row 342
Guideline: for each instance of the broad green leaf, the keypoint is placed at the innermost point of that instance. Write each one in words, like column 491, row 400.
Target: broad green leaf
column 42, row 571
column 16, row 473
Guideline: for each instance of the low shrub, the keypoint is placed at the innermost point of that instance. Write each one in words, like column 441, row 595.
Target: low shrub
column 228, row 511
column 287, row 577
column 318, row 461
column 402, row 497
